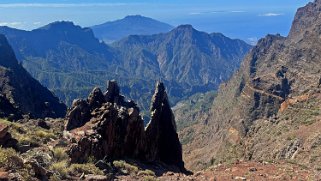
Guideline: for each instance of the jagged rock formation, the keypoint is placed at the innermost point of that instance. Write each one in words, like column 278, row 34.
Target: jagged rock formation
column 110, row 127
column 20, row 94
column 262, row 112
column 161, row 137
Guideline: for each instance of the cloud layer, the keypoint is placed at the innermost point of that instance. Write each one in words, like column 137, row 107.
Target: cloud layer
column 271, row 14
column 216, row 12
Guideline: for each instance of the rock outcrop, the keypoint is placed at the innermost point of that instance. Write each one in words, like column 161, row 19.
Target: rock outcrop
column 161, row 137
column 6, row 140
column 111, row 128
column 20, row 94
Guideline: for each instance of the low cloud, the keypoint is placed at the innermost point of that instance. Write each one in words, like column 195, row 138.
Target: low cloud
column 216, row 12
column 12, row 24
column 271, row 14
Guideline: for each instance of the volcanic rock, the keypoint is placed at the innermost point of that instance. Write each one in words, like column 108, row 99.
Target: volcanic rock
column 6, row 139
column 161, row 137
column 114, row 129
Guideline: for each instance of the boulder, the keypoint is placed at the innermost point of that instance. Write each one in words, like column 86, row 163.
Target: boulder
column 78, row 115
column 6, row 139
column 96, row 98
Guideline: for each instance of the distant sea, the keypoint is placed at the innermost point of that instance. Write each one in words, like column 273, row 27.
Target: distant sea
column 249, row 27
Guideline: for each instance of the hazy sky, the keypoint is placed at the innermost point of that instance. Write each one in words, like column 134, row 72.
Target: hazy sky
column 246, row 19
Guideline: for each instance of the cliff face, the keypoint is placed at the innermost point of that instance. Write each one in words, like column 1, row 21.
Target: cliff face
column 261, row 112
column 20, row 93
column 107, row 126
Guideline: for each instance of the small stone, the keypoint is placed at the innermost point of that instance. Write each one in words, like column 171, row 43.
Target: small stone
column 253, row 169
column 239, row 178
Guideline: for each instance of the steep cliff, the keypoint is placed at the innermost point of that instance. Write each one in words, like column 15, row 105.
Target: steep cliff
column 20, row 94
column 268, row 106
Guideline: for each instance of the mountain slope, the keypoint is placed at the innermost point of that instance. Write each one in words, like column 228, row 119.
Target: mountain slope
column 63, row 57
column 270, row 109
column 20, row 93
column 190, row 60
column 69, row 60
column 130, row 25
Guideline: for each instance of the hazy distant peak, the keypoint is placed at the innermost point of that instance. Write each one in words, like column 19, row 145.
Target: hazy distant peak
column 58, row 25
column 130, row 25
column 136, row 17
column 185, row 27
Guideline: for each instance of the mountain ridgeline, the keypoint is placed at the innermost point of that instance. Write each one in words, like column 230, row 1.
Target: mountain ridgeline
column 130, row 25
column 20, row 94
column 270, row 109
column 69, row 60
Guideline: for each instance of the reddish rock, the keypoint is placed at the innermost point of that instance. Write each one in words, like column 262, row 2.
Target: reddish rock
column 114, row 129
column 4, row 176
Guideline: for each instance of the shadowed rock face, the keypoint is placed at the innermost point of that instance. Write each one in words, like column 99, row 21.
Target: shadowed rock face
column 20, row 94
column 161, row 137
column 106, row 126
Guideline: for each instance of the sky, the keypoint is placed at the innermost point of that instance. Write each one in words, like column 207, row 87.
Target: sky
column 245, row 19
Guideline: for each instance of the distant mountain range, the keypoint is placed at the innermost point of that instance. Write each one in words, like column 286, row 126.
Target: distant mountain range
column 130, row 25
column 69, row 60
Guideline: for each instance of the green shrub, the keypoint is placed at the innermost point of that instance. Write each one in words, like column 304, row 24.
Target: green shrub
column 10, row 159
column 132, row 169
column 146, row 173
column 60, row 154
column 45, row 134
column 87, row 168
column 60, row 168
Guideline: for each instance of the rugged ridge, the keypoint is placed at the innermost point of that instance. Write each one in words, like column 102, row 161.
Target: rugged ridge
column 69, row 60
column 20, row 94
column 262, row 111
column 115, row 129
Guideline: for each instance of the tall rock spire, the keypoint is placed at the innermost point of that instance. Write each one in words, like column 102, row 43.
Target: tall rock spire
column 161, row 136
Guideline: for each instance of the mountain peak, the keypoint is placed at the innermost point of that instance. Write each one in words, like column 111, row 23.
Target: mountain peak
column 136, row 17
column 59, row 25
column 130, row 25
column 306, row 19
column 185, row 27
